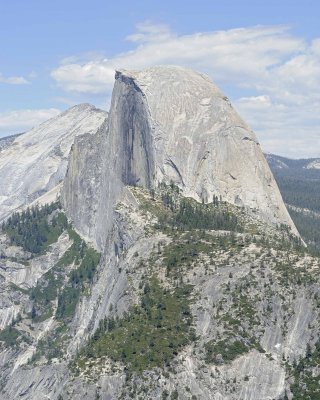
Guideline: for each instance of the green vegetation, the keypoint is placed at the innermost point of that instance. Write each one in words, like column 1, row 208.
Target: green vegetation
column 53, row 284
column 183, row 252
column 33, row 229
column 306, row 376
column 9, row 336
column 67, row 289
column 240, row 319
column 300, row 187
column 53, row 344
column 76, row 252
column 288, row 275
column 308, row 226
column 150, row 335
column 245, row 309
column 225, row 351
column 186, row 248
column 44, row 293
column 87, row 260
column 187, row 214
column 283, row 240
column 175, row 212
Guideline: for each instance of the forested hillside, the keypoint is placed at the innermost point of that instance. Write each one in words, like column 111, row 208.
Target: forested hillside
column 299, row 183
column 182, row 283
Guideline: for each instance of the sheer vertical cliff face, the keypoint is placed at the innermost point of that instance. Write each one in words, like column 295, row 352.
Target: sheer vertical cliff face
column 131, row 123
column 171, row 124
column 180, row 127
column 82, row 189
column 36, row 161
column 120, row 153
column 250, row 300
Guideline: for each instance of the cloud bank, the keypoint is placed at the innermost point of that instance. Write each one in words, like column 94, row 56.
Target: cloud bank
column 241, row 56
column 279, row 71
column 271, row 75
column 23, row 120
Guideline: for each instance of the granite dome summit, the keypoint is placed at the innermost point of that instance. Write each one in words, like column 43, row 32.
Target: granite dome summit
column 139, row 282
column 171, row 124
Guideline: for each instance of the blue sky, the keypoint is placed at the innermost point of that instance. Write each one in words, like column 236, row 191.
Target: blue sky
column 264, row 55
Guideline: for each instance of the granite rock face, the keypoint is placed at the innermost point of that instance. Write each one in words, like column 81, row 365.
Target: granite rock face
column 266, row 295
column 36, row 161
column 178, row 126
column 165, row 125
column 170, row 124
column 82, row 188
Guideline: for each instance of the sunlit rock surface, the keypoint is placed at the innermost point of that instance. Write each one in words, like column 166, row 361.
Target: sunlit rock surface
column 36, row 161
column 170, row 124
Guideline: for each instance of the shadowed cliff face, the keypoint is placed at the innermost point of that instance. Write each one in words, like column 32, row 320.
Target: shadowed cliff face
column 169, row 124
column 198, row 141
column 132, row 122
column 230, row 300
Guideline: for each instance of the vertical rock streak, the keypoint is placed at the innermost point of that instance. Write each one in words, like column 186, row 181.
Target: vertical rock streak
column 170, row 124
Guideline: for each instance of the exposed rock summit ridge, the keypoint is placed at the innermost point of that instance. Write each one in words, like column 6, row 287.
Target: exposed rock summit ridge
column 36, row 161
column 171, row 124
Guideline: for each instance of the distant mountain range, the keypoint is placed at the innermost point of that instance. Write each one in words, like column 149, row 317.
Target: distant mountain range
column 289, row 165
column 299, row 184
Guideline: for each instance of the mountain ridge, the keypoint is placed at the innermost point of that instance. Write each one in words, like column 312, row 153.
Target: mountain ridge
column 170, row 124
column 286, row 162
column 142, row 280
column 45, row 152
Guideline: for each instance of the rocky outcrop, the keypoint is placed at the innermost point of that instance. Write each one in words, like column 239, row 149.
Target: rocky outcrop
column 170, row 124
column 243, row 285
column 178, row 126
column 254, row 302
column 82, row 188
column 36, row 161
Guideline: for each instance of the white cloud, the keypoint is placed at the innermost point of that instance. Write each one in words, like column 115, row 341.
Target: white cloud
column 233, row 55
column 281, row 69
column 14, row 80
column 92, row 77
column 283, row 129
column 22, row 120
column 149, row 32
